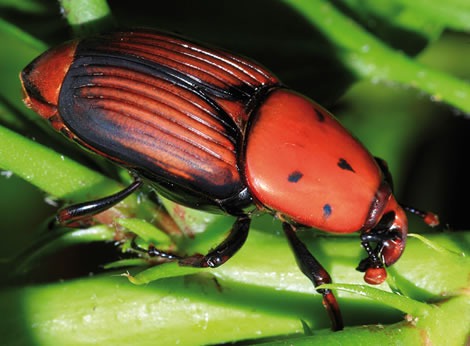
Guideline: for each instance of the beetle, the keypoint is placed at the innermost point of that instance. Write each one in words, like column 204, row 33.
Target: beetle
column 218, row 132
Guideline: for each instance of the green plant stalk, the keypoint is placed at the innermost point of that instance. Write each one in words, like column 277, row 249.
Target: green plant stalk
column 48, row 170
column 446, row 325
column 369, row 58
column 397, row 301
column 259, row 293
column 454, row 14
column 49, row 243
column 402, row 17
column 43, row 324
column 256, row 268
column 13, row 32
column 87, row 16
column 63, row 178
column 22, row 48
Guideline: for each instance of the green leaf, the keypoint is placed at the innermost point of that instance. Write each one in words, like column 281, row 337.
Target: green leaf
column 260, row 293
column 393, row 300
column 50, row 242
column 87, row 16
column 148, row 232
column 164, row 271
column 453, row 14
column 49, row 170
column 370, row 58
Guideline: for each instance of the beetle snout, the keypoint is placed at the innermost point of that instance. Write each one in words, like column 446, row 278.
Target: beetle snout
column 389, row 235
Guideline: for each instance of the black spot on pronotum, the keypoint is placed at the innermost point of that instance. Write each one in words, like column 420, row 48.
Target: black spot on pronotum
column 343, row 164
column 327, row 211
column 295, row 176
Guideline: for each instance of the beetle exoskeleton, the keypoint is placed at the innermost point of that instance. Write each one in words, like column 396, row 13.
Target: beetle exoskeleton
column 215, row 131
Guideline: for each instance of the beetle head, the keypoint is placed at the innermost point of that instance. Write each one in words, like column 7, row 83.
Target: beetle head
column 42, row 79
column 390, row 236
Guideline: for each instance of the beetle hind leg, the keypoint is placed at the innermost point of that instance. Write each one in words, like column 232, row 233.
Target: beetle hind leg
column 311, row 268
column 74, row 214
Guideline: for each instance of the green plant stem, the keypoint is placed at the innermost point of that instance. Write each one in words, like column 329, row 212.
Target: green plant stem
column 455, row 14
column 52, row 241
column 270, row 299
column 87, row 16
column 370, row 58
column 50, row 171
column 396, row 301
column 433, row 329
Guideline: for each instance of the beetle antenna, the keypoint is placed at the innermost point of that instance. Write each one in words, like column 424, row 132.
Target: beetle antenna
column 430, row 218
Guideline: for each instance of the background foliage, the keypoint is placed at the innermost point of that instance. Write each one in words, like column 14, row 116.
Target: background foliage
column 395, row 74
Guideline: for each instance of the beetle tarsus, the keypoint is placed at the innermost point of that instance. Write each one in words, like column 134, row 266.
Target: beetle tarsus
column 152, row 251
column 332, row 308
column 311, row 268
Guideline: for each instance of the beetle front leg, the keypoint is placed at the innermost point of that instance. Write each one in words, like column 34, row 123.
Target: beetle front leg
column 224, row 251
column 78, row 212
column 311, row 268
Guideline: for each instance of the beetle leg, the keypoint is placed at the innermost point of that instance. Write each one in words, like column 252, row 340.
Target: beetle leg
column 223, row 252
column 378, row 235
column 152, row 251
column 80, row 211
column 373, row 257
column 311, row 268
column 216, row 257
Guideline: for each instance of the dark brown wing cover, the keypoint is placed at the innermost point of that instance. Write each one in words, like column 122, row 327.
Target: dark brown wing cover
column 170, row 109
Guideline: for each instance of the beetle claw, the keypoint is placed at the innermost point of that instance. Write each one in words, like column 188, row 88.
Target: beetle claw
column 197, row 260
column 334, row 313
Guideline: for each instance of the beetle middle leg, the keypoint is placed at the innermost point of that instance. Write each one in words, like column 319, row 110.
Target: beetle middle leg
column 216, row 257
column 312, row 269
column 225, row 250
column 152, row 251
